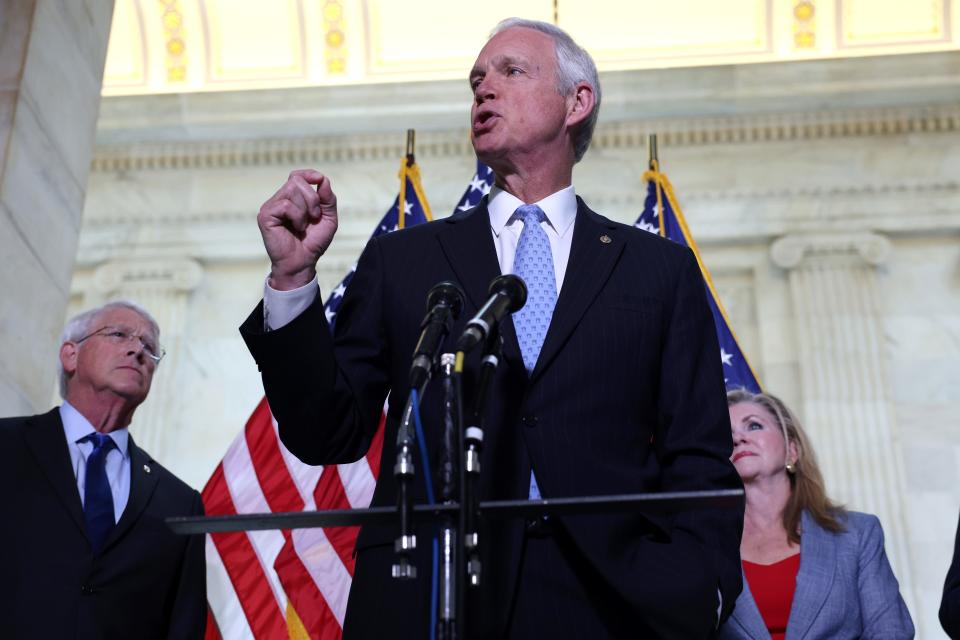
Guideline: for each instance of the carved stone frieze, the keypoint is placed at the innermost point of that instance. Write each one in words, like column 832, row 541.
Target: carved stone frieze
column 676, row 132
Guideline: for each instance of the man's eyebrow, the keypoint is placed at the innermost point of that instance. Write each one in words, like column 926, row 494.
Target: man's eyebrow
column 498, row 62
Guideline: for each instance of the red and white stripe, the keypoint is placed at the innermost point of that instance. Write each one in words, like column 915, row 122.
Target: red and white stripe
column 253, row 576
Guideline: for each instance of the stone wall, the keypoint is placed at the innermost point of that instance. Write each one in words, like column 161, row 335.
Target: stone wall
column 824, row 197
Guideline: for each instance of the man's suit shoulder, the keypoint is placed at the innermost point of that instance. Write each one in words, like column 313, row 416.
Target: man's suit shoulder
column 13, row 426
column 418, row 232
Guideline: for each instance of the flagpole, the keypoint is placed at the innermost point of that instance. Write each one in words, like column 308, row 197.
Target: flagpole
column 654, row 162
column 411, row 143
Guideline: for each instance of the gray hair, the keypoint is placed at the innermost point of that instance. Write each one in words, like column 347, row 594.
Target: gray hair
column 82, row 325
column 574, row 65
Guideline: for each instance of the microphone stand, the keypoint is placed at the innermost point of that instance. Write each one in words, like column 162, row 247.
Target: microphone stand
column 403, row 470
column 470, row 467
column 451, row 561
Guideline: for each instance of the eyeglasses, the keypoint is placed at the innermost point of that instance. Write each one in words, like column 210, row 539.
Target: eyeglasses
column 123, row 335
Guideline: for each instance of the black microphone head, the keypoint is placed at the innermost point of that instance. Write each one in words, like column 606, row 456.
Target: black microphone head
column 513, row 287
column 447, row 293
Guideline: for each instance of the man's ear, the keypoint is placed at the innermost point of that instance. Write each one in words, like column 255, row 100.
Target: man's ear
column 68, row 357
column 581, row 104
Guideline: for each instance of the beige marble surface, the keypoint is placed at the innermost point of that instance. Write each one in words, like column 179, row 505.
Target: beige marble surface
column 755, row 152
column 51, row 66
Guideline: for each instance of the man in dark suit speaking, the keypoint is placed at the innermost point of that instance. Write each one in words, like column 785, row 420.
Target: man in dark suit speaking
column 611, row 381
column 84, row 549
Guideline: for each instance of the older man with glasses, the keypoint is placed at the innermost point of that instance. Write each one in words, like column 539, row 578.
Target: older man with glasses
column 84, row 548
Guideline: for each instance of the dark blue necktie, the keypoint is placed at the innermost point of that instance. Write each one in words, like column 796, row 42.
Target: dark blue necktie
column 533, row 262
column 97, row 497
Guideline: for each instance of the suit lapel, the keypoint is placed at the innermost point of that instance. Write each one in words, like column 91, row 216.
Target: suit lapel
column 818, row 555
column 596, row 246
column 45, row 439
column 747, row 615
column 143, row 482
column 468, row 245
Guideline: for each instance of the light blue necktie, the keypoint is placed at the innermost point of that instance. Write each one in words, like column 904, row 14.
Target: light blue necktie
column 534, row 263
column 97, row 497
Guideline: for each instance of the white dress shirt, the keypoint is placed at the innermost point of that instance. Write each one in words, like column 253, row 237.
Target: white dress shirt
column 117, row 465
column 281, row 307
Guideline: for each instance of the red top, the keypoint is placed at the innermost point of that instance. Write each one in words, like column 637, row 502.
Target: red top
column 772, row 586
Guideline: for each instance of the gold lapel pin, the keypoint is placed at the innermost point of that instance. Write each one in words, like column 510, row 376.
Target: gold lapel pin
column 605, row 239
column 146, row 468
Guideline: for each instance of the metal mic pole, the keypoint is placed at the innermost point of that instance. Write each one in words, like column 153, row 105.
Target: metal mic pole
column 473, row 445
column 403, row 469
column 447, row 618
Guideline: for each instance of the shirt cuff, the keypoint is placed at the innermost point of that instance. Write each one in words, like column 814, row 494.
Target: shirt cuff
column 280, row 308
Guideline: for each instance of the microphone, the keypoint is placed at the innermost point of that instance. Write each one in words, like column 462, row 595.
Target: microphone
column 508, row 294
column 444, row 304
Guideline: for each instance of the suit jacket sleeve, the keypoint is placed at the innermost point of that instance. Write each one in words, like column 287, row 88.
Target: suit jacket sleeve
column 693, row 441
column 189, row 615
column 327, row 407
column 883, row 610
column 950, row 605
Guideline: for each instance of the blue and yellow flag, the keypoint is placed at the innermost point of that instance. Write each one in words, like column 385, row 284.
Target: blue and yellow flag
column 662, row 215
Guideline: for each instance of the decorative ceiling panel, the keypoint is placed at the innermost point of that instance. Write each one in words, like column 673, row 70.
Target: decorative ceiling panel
column 652, row 29
column 884, row 22
column 425, row 36
column 236, row 40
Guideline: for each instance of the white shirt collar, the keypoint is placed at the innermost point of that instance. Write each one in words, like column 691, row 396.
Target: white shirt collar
column 560, row 208
column 76, row 427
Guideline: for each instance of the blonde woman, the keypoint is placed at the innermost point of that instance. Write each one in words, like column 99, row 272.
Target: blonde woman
column 811, row 568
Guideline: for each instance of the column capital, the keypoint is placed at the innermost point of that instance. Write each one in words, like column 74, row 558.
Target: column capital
column 162, row 274
column 794, row 250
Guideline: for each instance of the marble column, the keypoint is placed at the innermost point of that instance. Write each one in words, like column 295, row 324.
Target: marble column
column 846, row 406
column 52, row 54
column 163, row 287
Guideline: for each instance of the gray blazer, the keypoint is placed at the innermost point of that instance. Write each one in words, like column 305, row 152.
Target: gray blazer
column 845, row 589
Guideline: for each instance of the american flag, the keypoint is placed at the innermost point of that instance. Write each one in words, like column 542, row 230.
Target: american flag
column 662, row 215
column 294, row 584
column 478, row 187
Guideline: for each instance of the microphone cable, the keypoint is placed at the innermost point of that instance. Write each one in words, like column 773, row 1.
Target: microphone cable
column 428, row 481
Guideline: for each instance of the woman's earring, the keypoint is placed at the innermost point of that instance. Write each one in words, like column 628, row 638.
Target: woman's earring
column 791, row 468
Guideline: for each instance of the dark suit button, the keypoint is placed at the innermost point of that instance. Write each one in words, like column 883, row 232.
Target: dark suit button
column 529, row 421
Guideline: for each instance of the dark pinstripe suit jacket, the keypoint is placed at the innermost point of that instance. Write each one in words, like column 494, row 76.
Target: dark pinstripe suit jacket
column 627, row 396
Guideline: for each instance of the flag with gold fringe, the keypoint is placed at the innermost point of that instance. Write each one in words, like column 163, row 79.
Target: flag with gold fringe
column 662, row 215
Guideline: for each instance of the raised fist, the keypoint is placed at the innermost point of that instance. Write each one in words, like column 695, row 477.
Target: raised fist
column 297, row 224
